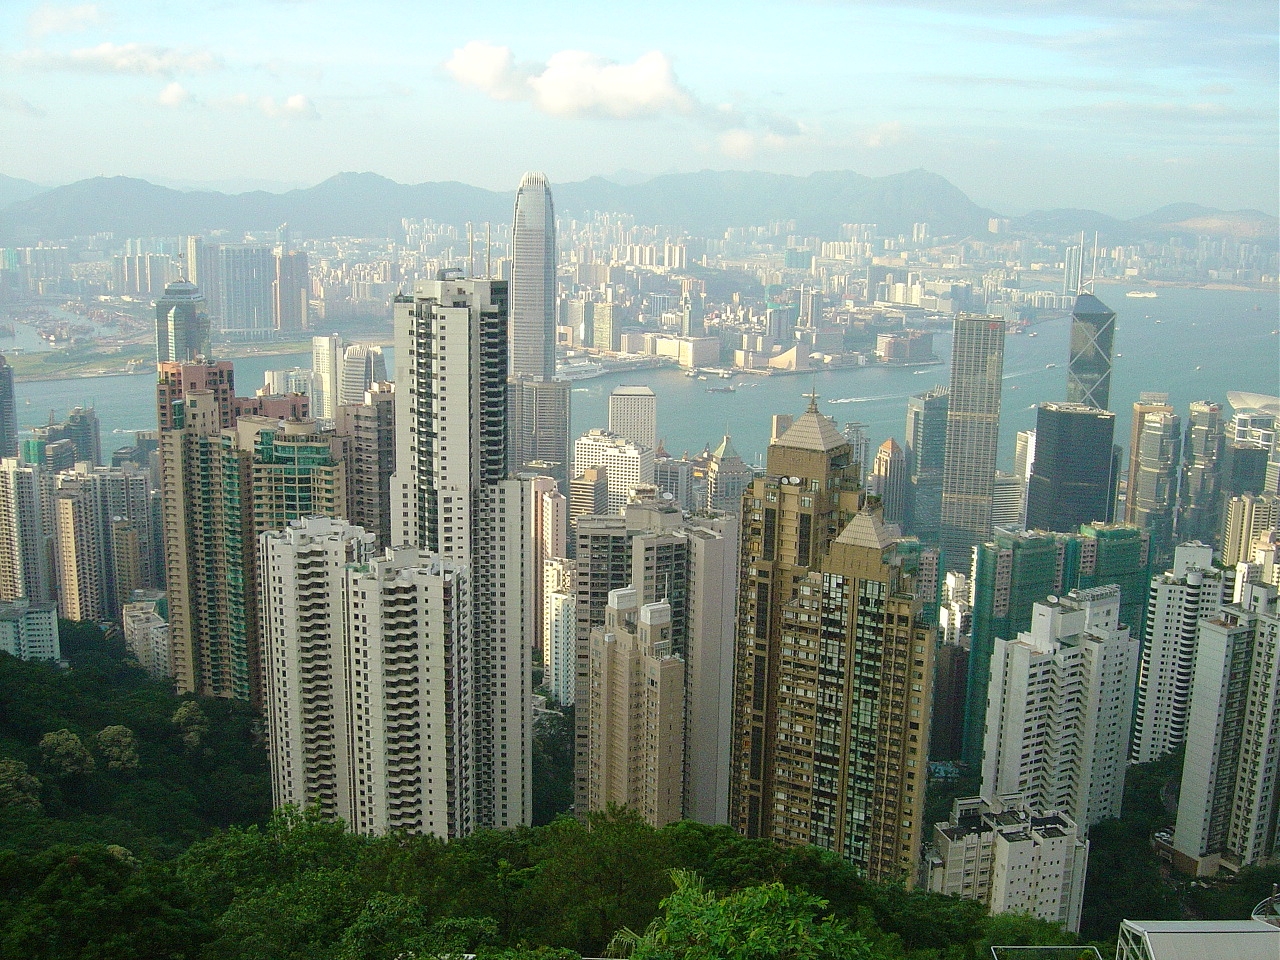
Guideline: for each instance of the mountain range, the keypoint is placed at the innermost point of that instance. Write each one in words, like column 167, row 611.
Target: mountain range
column 704, row 203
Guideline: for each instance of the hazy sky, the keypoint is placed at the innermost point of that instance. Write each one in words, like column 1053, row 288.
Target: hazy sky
column 1120, row 105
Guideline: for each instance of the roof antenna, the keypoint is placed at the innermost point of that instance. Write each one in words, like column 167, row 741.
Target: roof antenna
column 488, row 251
column 471, row 253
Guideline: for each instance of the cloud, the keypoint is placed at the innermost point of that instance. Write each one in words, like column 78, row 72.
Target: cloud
column 296, row 106
column 128, row 58
column 174, row 95
column 50, row 18
column 16, row 104
column 888, row 134
column 574, row 82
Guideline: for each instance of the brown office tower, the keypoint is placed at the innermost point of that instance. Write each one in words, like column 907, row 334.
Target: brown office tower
column 834, row 663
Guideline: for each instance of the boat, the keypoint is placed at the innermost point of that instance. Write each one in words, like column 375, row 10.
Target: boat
column 1198, row 367
column 728, row 389
column 1142, row 294
column 1050, row 366
column 580, row 371
column 1034, row 333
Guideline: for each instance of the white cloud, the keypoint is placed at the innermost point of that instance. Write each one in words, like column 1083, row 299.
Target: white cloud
column 295, row 106
column 50, row 18
column 574, row 82
column 134, row 58
column 174, row 95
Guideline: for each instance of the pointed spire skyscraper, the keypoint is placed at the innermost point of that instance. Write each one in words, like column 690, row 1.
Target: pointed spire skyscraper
column 1093, row 329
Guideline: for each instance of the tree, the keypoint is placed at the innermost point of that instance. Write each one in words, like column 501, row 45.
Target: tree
column 769, row 922
column 18, row 788
column 118, row 746
column 64, row 752
column 190, row 719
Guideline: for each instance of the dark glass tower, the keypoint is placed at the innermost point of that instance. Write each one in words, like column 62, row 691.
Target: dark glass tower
column 1093, row 330
column 8, row 412
column 1071, row 476
column 926, row 447
column 182, row 324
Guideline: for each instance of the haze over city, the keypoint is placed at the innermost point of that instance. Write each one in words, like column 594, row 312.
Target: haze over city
column 1120, row 107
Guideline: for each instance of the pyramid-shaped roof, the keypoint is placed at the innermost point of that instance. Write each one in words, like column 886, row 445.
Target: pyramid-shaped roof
column 812, row 431
column 725, row 450
column 868, row 529
column 1087, row 305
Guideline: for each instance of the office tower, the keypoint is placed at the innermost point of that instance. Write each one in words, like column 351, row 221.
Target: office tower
column 1013, row 857
column 1093, row 330
column 1059, row 708
column 559, row 631
column 326, row 375
column 182, row 324
column 451, row 497
column 146, row 634
column 1073, row 269
column 683, row 481
column 8, row 412
column 29, row 631
column 246, row 274
column 637, row 745
column 726, row 479
column 579, row 316
column 291, row 292
column 82, row 429
column 888, row 480
column 1153, row 480
column 370, row 425
column 626, row 464
column 588, row 494
column 24, row 533
column 606, row 326
column 1199, row 499
column 201, row 268
column 951, row 669
column 360, row 366
column 1071, row 474
column 690, row 564
column 973, row 427
column 1246, row 518
column 1015, row 570
column 533, row 281
column 540, row 411
column 1227, row 806
column 828, row 751
column 1181, row 597
column 1149, row 404
column 859, row 438
column 633, row 415
column 926, row 447
column 1007, row 502
column 293, row 380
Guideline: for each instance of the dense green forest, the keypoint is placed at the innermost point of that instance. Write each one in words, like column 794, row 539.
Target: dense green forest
column 136, row 824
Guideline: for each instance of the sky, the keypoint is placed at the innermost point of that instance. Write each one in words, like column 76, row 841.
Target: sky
column 1116, row 105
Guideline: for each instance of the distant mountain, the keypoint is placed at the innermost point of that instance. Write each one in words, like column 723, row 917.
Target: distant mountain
column 1187, row 219
column 705, row 203
column 12, row 190
column 365, row 204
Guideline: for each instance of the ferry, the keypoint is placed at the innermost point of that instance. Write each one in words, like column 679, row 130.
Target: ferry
column 580, row 371
column 1142, row 294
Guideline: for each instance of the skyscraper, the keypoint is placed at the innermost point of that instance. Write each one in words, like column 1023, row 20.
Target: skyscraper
column 326, row 375
column 533, row 281
column 1071, row 474
column 633, row 415
column 539, row 403
column 973, row 429
column 926, row 447
column 291, row 291
column 360, row 366
column 8, row 412
column 24, row 533
column 246, row 273
column 1059, row 708
column 889, row 480
column 1153, row 480
column 627, row 464
column 1149, row 404
column 371, row 460
column 1199, row 499
column 1093, row 330
column 823, row 752
column 182, row 324
column 451, row 497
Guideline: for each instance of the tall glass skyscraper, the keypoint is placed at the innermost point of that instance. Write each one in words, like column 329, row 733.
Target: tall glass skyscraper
column 926, row 446
column 973, row 428
column 1093, row 329
column 1071, row 478
column 532, row 331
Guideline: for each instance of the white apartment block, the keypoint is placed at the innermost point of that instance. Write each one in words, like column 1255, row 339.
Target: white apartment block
column 29, row 631
column 1227, row 809
column 1059, row 708
column 326, row 376
column 559, row 630
column 1011, row 857
column 146, row 634
column 1180, row 598
column 627, row 464
column 633, row 415
column 24, row 533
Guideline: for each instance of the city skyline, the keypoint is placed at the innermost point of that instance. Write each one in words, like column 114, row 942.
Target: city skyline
column 1182, row 101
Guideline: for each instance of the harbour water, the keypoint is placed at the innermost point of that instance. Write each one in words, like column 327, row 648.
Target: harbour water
column 1191, row 343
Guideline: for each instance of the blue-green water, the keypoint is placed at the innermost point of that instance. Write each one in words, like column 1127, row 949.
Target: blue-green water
column 1205, row 343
